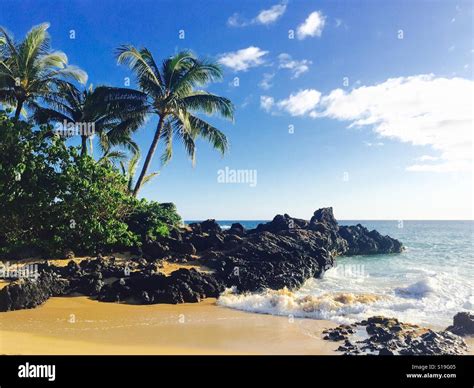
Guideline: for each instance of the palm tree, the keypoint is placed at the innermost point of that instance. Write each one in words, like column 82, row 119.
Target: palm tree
column 129, row 169
column 173, row 97
column 114, row 113
column 30, row 69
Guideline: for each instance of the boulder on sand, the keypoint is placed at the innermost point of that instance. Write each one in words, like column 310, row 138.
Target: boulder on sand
column 463, row 324
column 28, row 293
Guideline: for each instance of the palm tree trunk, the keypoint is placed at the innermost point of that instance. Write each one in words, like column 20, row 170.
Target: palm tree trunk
column 84, row 145
column 91, row 146
column 149, row 156
column 19, row 106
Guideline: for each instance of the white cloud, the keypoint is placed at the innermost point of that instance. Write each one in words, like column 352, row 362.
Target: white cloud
column 266, row 82
column 236, row 21
column 296, row 67
column 243, row 59
column 302, row 103
column 312, row 26
column 268, row 16
column 422, row 110
column 266, row 103
column 264, row 17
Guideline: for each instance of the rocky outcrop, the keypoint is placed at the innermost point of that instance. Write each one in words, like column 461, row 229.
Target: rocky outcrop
column 361, row 241
column 322, row 228
column 388, row 336
column 463, row 324
column 138, row 282
column 237, row 228
column 287, row 251
column 181, row 286
column 284, row 252
column 271, row 260
column 27, row 293
column 281, row 223
column 324, row 222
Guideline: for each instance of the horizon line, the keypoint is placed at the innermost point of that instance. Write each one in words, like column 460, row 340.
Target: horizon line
column 342, row 219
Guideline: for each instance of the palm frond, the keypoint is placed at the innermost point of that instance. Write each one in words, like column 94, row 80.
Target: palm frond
column 115, row 155
column 173, row 67
column 46, row 115
column 54, row 59
column 167, row 136
column 143, row 65
column 36, row 43
column 199, row 74
column 71, row 72
column 205, row 130
column 149, row 177
column 186, row 133
column 209, row 104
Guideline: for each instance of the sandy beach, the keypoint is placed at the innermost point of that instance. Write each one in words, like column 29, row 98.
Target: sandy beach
column 79, row 325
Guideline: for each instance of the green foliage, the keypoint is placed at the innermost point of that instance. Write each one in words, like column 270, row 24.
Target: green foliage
column 52, row 199
column 151, row 220
column 30, row 69
column 115, row 113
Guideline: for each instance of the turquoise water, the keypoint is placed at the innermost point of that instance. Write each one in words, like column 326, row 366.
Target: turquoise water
column 427, row 284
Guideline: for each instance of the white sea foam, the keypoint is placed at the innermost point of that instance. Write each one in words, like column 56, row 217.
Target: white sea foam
column 419, row 289
column 433, row 300
column 335, row 306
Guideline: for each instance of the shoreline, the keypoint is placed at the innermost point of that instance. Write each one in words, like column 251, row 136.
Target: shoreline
column 78, row 325
column 110, row 328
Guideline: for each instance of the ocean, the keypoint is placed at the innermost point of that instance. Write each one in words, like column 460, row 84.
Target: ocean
column 428, row 283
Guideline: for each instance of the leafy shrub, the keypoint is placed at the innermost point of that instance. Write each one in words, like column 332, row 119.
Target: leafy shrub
column 151, row 220
column 52, row 199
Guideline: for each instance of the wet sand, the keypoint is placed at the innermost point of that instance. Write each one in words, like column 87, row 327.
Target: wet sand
column 79, row 325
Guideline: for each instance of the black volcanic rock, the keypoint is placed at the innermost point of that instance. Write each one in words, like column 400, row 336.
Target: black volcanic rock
column 210, row 226
column 324, row 222
column 236, row 228
column 463, row 324
column 270, row 260
column 362, row 242
column 167, row 246
column 326, row 217
column 232, row 241
column 28, row 293
column 388, row 336
column 282, row 253
column 203, row 242
column 183, row 247
column 156, row 249
column 181, row 286
column 281, row 223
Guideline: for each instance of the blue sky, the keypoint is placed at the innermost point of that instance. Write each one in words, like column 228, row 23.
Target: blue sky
column 369, row 147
